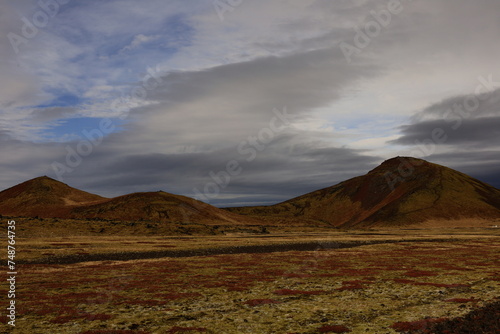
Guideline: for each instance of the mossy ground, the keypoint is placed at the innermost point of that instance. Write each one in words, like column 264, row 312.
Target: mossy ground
column 365, row 289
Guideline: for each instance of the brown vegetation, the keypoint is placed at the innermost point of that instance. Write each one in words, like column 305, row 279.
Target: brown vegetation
column 401, row 191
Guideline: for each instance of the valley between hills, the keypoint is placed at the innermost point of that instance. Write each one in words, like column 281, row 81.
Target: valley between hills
column 410, row 247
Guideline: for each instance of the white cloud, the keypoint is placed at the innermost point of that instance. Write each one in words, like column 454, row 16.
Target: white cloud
column 138, row 41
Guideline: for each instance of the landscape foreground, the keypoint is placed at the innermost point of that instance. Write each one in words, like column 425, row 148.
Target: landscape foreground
column 377, row 281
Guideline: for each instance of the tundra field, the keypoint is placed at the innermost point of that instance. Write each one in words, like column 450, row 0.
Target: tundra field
column 375, row 281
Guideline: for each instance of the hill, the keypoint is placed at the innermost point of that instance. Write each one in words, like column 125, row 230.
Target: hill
column 159, row 206
column 401, row 191
column 44, row 197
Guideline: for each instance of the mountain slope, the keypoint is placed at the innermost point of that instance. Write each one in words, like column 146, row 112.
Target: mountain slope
column 400, row 191
column 159, row 206
column 47, row 198
column 43, row 197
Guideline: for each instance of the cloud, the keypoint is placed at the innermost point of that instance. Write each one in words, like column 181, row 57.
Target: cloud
column 289, row 166
column 138, row 41
column 221, row 81
column 469, row 121
column 449, row 134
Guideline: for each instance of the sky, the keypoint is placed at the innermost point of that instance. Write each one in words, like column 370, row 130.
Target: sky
column 244, row 102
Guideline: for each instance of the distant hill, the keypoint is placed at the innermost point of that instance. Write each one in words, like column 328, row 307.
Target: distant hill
column 47, row 198
column 43, row 197
column 159, row 206
column 399, row 192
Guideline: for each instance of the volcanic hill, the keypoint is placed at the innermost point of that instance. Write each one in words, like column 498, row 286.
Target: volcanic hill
column 160, row 206
column 44, row 197
column 401, row 191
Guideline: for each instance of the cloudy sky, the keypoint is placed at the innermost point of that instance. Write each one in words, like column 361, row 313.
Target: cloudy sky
column 245, row 101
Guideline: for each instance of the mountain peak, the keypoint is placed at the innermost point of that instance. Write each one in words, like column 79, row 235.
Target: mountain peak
column 42, row 196
column 400, row 191
column 401, row 162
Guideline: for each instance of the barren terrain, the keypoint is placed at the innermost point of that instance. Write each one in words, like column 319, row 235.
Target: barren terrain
column 412, row 279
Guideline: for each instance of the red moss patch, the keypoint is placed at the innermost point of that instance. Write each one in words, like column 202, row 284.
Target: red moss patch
column 420, row 273
column 175, row 296
column 256, row 302
column 416, row 325
column 461, row 300
column 142, row 302
column 403, row 280
column 294, row 275
column 448, row 266
column 358, row 272
column 289, row 292
column 333, row 329
column 356, row 286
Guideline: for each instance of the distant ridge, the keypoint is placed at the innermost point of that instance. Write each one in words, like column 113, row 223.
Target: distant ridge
column 44, row 197
column 399, row 192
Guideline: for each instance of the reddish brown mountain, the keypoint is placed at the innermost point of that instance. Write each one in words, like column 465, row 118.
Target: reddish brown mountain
column 400, row 191
column 47, row 198
column 43, row 197
column 159, row 206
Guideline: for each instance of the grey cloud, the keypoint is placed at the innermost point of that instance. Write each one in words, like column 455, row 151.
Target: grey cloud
column 452, row 122
column 482, row 165
column 489, row 104
column 222, row 106
column 275, row 175
column 284, row 169
column 467, row 141
column 24, row 160
column 479, row 132
column 304, row 81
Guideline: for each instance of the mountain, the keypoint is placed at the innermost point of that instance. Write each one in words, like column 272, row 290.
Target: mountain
column 401, row 191
column 159, row 206
column 43, row 197
column 47, row 198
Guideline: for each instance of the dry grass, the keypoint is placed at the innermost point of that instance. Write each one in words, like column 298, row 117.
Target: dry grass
column 366, row 289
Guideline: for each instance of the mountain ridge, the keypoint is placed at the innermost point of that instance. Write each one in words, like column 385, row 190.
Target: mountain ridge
column 44, row 197
column 400, row 191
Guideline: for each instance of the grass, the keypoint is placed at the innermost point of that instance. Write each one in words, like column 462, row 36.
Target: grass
column 368, row 289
